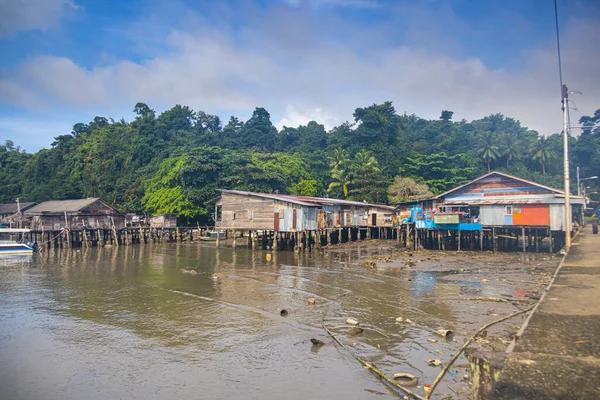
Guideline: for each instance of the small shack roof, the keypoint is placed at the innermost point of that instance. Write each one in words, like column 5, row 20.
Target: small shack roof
column 303, row 200
column 278, row 197
column 556, row 191
column 62, row 206
column 11, row 208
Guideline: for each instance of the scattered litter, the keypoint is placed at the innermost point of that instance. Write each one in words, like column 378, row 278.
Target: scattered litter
column 352, row 321
column 445, row 333
column 466, row 377
column 426, row 387
column 408, row 321
column 311, row 301
column 434, row 363
column 399, row 319
column 283, row 313
column 580, row 341
column 268, row 257
column 355, row 330
column 485, row 280
column 188, row 271
column 406, row 379
column 317, row 342
column 432, row 340
column 440, row 352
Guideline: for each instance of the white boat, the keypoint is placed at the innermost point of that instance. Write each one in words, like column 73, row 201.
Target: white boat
column 13, row 247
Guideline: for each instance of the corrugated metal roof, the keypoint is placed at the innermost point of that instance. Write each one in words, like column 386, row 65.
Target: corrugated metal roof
column 61, row 206
column 501, row 174
column 277, row 197
column 306, row 200
column 500, row 202
column 11, row 208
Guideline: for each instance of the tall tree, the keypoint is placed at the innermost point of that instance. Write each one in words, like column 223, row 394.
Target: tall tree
column 489, row 151
column 543, row 153
column 511, row 149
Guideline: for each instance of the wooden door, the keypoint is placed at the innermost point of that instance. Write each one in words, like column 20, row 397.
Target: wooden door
column 276, row 222
column 374, row 219
column 294, row 220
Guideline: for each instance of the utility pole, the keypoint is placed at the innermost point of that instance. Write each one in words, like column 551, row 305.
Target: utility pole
column 578, row 184
column 565, row 106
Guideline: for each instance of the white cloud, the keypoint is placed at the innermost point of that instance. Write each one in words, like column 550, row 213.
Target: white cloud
column 284, row 65
column 294, row 117
column 23, row 15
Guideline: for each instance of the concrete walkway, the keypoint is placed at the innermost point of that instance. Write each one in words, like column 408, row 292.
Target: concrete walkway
column 558, row 356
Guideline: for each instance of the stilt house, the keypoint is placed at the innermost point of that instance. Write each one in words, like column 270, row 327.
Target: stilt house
column 90, row 213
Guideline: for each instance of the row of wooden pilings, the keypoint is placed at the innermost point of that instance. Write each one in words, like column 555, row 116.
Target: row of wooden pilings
column 525, row 239
column 307, row 240
column 67, row 238
column 490, row 239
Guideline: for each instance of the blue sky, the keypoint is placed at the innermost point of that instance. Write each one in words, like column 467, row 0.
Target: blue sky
column 66, row 61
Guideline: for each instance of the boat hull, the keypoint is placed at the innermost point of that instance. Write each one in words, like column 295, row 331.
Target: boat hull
column 15, row 248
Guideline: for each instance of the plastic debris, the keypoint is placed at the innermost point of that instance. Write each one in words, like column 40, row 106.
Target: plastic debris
column 399, row 319
column 434, row 363
column 432, row 340
column 426, row 387
column 466, row 377
column 352, row 321
column 311, row 301
column 408, row 321
column 445, row 333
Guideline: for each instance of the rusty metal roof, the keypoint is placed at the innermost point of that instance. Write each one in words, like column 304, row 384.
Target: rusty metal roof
column 306, row 200
column 499, row 202
column 556, row 191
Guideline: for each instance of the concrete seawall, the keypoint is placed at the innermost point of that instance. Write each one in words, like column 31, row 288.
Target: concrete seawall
column 558, row 355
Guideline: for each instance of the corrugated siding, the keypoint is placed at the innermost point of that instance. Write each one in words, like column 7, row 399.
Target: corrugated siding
column 311, row 219
column 492, row 215
column 531, row 215
column 286, row 224
column 557, row 217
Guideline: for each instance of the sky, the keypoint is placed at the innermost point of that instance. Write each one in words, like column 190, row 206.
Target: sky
column 67, row 61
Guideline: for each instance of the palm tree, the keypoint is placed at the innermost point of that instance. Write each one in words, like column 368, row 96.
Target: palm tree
column 489, row 151
column 341, row 180
column 364, row 164
column 511, row 148
column 339, row 159
column 543, row 153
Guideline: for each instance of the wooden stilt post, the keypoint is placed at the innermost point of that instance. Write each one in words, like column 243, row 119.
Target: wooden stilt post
column 458, row 240
column 481, row 240
column 537, row 241
column 494, row 239
column 524, row 239
column 234, row 243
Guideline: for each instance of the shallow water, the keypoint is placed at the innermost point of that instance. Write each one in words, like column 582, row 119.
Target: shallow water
column 127, row 323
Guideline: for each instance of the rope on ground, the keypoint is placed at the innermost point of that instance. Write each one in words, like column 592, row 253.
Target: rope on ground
column 447, row 366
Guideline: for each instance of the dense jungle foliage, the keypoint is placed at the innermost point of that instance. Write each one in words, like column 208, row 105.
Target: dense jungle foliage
column 176, row 161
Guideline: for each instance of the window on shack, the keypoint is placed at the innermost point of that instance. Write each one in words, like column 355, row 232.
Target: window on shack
column 508, row 210
column 387, row 217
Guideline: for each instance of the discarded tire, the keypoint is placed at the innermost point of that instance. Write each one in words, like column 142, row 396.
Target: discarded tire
column 405, row 379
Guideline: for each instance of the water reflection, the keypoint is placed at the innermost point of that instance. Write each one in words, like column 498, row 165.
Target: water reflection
column 113, row 315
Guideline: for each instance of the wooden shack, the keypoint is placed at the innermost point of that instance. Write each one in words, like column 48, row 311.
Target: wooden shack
column 9, row 212
column 164, row 221
column 497, row 199
column 55, row 215
column 240, row 210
